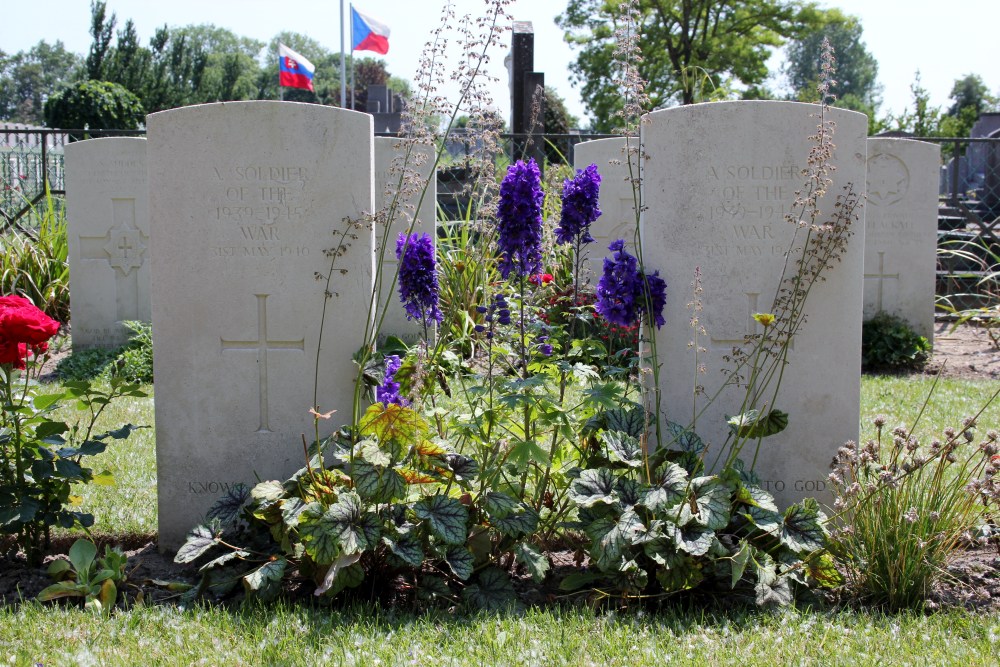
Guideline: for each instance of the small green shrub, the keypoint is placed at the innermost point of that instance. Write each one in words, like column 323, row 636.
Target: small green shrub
column 132, row 362
column 96, row 581
column 888, row 343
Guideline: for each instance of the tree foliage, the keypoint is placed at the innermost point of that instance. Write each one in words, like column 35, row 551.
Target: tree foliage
column 29, row 78
column 690, row 47
column 857, row 86
column 94, row 104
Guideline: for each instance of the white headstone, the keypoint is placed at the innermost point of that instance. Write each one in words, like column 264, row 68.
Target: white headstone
column 108, row 229
column 901, row 231
column 718, row 181
column 617, row 201
column 390, row 164
column 245, row 199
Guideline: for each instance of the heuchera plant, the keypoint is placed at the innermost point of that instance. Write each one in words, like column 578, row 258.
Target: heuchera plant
column 41, row 458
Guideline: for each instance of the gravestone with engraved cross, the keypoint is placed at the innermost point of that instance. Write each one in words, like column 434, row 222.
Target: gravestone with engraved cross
column 617, row 202
column 718, row 182
column 402, row 178
column 901, row 231
column 246, row 199
column 108, row 235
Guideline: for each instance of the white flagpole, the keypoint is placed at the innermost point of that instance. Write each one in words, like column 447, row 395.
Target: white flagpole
column 343, row 63
column 281, row 91
column 352, row 57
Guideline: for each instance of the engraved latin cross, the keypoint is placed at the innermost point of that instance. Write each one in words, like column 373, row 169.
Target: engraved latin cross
column 881, row 276
column 262, row 345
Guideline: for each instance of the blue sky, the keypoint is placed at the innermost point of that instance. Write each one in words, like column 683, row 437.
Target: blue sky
column 943, row 40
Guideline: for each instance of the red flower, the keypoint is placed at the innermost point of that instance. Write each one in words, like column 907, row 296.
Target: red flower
column 541, row 279
column 23, row 326
column 14, row 354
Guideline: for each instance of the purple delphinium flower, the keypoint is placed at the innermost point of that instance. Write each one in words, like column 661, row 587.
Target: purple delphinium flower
column 579, row 206
column 388, row 391
column 657, row 296
column 498, row 312
column 519, row 218
column 418, row 280
column 621, row 291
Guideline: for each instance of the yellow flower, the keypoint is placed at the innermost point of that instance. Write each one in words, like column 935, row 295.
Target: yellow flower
column 764, row 319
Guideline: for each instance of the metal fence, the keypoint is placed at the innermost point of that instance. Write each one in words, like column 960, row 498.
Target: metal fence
column 31, row 164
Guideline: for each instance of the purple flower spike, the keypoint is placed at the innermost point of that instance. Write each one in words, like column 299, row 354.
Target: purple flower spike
column 579, row 206
column 418, row 280
column 621, row 291
column 388, row 391
column 519, row 217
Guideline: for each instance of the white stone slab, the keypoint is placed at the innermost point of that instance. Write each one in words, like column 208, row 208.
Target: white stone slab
column 245, row 197
column 388, row 187
column 719, row 179
column 108, row 228
column 901, row 231
column 617, row 201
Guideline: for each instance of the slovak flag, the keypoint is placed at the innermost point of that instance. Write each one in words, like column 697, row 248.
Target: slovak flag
column 368, row 34
column 294, row 70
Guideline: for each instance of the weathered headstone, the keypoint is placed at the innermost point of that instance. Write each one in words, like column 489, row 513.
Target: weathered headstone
column 245, row 200
column 718, row 182
column 901, row 231
column 617, row 201
column 108, row 229
column 407, row 194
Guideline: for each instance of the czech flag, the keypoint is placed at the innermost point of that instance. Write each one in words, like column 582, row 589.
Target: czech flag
column 294, row 70
column 368, row 34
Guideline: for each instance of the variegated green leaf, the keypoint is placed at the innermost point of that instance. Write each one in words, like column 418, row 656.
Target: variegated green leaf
column 446, row 517
column 630, row 422
column 594, row 487
column 669, row 488
column 685, row 439
column 407, row 548
column 535, row 561
column 492, row 591
column 318, row 532
column 802, row 529
column 265, row 581
column 461, row 562
column 623, row 447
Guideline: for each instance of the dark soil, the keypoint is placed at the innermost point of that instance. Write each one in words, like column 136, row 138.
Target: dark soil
column 973, row 581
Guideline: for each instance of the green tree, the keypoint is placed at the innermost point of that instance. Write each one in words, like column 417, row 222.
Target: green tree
column 970, row 98
column 689, row 47
column 102, row 29
column 922, row 120
column 857, row 86
column 558, row 120
column 29, row 78
column 94, row 105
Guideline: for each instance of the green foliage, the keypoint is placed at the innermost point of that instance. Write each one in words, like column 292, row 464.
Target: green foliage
column 37, row 268
column 677, row 49
column 658, row 528
column 94, row 105
column 95, row 580
column 906, row 507
column 857, row 70
column 396, row 502
column 131, row 362
column 42, row 458
column 889, row 343
column 28, row 78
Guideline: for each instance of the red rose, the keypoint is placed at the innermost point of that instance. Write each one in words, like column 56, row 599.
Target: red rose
column 22, row 322
column 541, row 279
column 13, row 353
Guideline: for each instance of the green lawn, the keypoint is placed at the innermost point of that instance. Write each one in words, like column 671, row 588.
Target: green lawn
column 284, row 634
